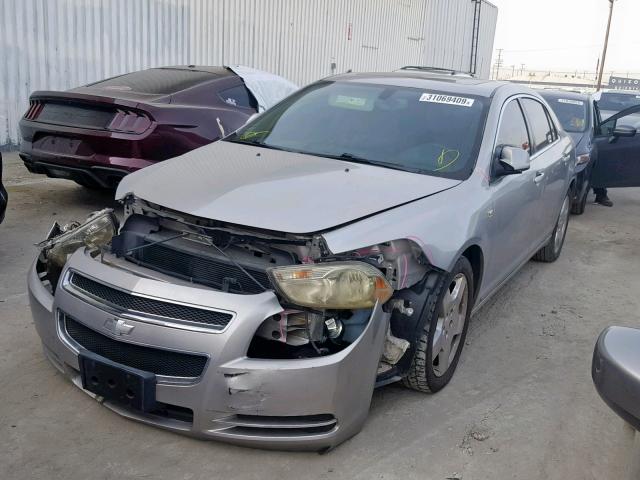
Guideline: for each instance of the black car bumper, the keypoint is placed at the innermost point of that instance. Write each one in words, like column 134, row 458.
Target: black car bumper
column 91, row 176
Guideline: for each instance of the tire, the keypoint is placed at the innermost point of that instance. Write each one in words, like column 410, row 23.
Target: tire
column 579, row 204
column 427, row 374
column 551, row 251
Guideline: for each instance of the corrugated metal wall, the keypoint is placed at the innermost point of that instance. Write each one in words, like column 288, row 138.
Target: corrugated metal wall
column 449, row 38
column 59, row 44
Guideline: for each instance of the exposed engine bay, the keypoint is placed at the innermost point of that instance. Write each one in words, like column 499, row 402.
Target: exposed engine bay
column 245, row 261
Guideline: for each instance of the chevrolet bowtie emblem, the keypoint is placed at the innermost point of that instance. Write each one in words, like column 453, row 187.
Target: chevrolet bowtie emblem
column 118, row 326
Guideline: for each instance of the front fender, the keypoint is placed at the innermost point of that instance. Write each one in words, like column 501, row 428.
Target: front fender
column 442, row 225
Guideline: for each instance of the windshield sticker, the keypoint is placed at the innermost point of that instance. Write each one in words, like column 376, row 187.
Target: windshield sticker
column 570, row 102
column 353, row 103
column 447, row 99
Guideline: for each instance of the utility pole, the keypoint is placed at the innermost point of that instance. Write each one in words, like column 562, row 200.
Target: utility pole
column 498, row 63
column 606, row 44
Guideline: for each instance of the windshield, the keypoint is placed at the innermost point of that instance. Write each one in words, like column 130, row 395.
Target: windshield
column 616, row 102
column 571, row 112
column 412, row 129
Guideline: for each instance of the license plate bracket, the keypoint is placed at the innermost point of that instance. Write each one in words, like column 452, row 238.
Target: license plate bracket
column 119, row 383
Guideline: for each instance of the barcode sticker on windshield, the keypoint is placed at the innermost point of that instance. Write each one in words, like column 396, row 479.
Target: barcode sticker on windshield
column 446, row 99
column 570, row 102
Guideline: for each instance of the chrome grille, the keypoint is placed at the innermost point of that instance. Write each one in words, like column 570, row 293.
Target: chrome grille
column 149, row 306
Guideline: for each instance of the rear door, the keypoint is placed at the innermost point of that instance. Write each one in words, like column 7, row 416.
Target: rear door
column 617, row 161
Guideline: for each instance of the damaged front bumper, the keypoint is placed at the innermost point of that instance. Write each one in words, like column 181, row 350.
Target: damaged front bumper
column 307, row 404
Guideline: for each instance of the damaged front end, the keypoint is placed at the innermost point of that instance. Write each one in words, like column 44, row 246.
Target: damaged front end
column 254, row 337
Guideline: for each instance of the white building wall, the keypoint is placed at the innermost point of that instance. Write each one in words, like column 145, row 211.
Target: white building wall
column 60, row 44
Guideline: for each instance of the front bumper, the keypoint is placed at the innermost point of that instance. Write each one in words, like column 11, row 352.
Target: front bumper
column 310, row 404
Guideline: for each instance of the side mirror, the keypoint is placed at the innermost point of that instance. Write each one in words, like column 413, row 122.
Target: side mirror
column 621, row 131
column 616, row 372
column 512, row 160
column 624, row 131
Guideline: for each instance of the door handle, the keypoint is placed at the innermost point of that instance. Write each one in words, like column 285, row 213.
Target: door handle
column 539, row 176
column 566, row 157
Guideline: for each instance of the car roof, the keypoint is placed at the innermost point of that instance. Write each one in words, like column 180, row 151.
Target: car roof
column 421, row 79
column 635, row 93
column 215, row 70
column 564, row 94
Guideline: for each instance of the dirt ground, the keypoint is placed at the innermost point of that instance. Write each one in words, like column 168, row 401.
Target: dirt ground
column 521, row 405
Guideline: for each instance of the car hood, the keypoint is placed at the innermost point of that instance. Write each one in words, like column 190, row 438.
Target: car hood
column 275, row 190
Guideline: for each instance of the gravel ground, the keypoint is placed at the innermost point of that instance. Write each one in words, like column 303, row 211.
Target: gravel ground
column 521, row 405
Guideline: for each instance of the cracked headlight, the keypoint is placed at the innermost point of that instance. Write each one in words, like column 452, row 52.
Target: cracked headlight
column 335, row 285
column 94, row 233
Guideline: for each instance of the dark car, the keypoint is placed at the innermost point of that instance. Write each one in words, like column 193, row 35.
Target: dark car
column 617, row 149
column 100, row 132
column 577, row 116
column 3, row 194
column 607, row 148
column 612, row 102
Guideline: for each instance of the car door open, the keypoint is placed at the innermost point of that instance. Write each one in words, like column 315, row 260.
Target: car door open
column 617, row 149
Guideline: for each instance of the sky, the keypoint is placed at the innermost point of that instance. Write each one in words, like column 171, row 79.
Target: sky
column 568, row 35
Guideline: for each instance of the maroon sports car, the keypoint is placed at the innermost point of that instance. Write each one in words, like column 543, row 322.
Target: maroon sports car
column 98, row 133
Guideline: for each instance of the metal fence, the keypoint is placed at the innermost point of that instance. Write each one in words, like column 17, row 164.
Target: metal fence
column 60, row 44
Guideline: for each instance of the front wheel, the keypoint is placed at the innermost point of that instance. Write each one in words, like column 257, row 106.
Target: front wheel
column 551, row 251
column 440, row 345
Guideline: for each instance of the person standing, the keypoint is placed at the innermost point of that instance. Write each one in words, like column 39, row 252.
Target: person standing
column 601, row 197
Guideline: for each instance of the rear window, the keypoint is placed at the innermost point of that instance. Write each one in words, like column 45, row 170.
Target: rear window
column 616, row 102
column 155, row 81
column 238, row 96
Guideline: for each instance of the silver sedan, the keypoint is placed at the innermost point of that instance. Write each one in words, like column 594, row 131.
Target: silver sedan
column 261, row 287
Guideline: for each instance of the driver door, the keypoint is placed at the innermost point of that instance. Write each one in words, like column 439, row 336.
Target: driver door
column 617, row 151
column 514, row 218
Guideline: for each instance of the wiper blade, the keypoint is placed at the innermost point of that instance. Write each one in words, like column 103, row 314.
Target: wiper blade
column 376, row 163
column 257, row 143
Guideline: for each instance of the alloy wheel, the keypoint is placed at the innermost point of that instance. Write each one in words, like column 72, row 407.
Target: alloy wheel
column 561, row 228
column 450, row 325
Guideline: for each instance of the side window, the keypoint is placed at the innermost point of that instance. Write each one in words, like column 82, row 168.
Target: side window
column 596, row 118
column 238, row 96
column 554, row 129
column 542, row 132
column 513, row 129
column 608, row 127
